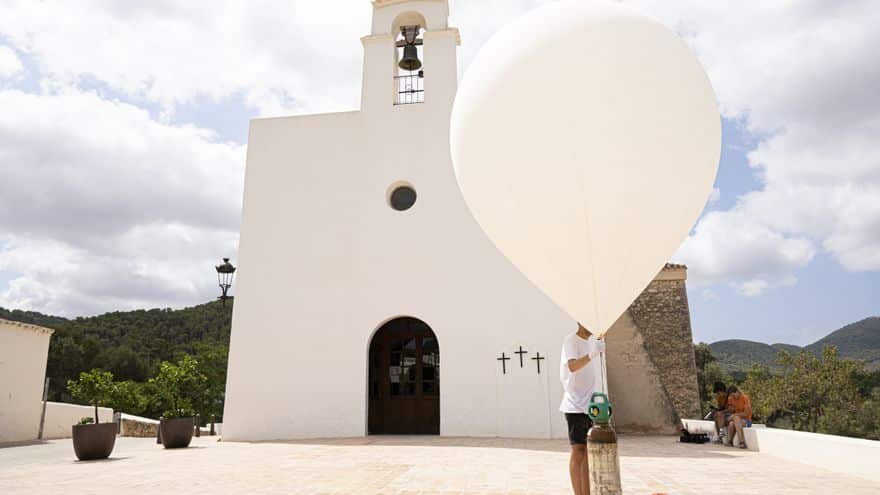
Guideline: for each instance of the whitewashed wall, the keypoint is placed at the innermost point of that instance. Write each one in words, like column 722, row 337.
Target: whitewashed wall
column 851, row 456
column 324, row 261
column 61, row 416
column 23, row 352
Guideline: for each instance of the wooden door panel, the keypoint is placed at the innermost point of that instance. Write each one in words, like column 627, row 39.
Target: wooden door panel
column 404, row 395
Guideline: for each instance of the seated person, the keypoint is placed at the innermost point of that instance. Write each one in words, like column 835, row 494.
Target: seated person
column 740, row 408
column 719, row 411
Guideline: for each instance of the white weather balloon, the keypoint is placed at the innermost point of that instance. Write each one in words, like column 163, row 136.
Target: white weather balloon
column 585, row 138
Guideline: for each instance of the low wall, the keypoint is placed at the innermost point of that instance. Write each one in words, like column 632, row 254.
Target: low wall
column 850, row 456
column 61, row 416
column 136, row 426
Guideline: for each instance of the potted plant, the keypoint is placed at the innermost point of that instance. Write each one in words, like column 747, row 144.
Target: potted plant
column 179, row 387
column 91, row 438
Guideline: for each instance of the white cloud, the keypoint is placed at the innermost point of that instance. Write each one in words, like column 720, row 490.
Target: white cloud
column 754, row 287
column 104, row 208
column 10, row 65
column 710, row 295
column 93, row 185
column 298, row 56
column 292, row 56
column 804, row 76
column 730, row 246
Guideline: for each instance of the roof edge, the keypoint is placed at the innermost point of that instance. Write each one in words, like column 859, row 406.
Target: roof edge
column 27, row 326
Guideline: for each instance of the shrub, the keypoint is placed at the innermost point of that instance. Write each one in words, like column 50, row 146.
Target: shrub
column 94, row 387
column 181, row 387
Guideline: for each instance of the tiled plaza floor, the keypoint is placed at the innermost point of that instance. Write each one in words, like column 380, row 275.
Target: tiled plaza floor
column 404, row 465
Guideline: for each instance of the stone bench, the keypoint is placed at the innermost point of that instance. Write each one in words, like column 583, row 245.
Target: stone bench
column 708, row 427
column 136, row 426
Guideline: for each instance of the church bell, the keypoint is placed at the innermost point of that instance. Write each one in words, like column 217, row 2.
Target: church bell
column 410, row 60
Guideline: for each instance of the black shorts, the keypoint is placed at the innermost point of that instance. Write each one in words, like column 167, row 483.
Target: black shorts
column 578, row 426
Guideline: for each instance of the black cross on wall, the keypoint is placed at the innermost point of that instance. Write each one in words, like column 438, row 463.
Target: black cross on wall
column 504, row 359
column 537, row 359
column 520, row 352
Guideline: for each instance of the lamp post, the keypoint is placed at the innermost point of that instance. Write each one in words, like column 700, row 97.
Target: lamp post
column 225, row 272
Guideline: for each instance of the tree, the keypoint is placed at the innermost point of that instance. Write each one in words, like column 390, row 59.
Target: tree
column 869, row 416
column 181, row 387
column 708, row 372
column 817, row 395
column 128, row 396
column 94, row 387
column 212, row 359
column 124, row 363
column 130, row 344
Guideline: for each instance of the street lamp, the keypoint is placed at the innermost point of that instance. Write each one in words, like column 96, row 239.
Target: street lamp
column 225, row 272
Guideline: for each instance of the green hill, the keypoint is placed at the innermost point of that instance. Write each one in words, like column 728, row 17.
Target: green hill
column 740, row 355
column 128, row 343
column 859, row 340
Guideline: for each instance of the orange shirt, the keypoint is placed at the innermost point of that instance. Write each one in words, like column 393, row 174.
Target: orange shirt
column 721, row 399
column 742, row 406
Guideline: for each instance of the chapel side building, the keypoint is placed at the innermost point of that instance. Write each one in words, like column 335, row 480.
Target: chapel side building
column 23, row 352
column 360, row 265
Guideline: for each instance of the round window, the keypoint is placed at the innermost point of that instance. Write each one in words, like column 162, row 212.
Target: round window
column 402, row 198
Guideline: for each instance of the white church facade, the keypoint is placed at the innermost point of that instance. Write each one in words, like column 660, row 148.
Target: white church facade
column 360, row 267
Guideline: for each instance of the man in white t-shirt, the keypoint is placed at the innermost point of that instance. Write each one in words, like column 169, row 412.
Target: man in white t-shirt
column 580, row 373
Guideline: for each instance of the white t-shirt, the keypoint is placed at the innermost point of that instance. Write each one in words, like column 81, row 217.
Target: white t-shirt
column 579, row 386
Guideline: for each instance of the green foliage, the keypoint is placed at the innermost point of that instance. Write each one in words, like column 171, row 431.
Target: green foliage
column 132, row 345
column 708, row 372
column 212, row 362
column 86, row 420
column 181, row 388
column 810, row 394
column 93, row 387
column 857, row 341
column 803, row 391
column 128, row 396
column 869, row 416
column 128, row 344
column 739, row 355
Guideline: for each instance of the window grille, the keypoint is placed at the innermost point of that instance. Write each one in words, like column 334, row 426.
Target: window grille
column 410, row 89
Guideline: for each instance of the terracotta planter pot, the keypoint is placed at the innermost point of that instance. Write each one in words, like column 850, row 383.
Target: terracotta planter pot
column 94, row 441
column 176, row 433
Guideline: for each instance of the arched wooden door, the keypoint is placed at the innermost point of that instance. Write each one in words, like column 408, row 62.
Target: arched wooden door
column 404, row 379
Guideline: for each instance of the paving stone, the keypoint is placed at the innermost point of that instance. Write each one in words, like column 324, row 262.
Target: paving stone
column 405, row 466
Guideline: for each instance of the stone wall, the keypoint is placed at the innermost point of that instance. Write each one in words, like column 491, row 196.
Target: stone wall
column 135, row 428
column 652, row 376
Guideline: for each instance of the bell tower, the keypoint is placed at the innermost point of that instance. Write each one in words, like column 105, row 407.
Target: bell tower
column 409, row 56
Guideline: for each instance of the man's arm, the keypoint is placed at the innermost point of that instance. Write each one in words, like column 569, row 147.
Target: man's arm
column 731, row 408
column 575, row 365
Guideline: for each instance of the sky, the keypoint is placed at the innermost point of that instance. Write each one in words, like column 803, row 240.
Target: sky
column 123, row 133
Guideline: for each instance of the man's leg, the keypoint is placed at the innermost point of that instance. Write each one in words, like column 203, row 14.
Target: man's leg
column 719, row 422
column 731, row 430
column 576, row 468
column 739, row 430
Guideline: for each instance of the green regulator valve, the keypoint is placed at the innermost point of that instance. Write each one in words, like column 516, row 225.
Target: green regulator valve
column 599, row 410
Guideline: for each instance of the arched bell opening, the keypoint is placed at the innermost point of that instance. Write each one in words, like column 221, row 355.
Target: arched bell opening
column 403, row 386
column 409, row 69
column 409, row 18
